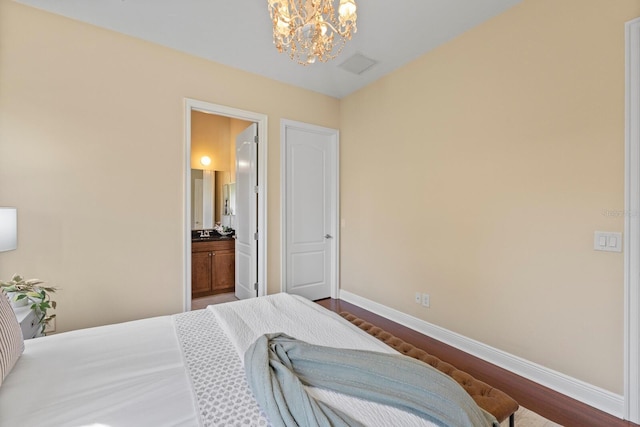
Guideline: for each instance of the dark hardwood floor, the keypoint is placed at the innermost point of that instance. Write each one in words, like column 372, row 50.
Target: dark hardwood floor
column 544, row 401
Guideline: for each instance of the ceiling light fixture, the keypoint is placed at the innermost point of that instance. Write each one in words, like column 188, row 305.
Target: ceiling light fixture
column 307, row 29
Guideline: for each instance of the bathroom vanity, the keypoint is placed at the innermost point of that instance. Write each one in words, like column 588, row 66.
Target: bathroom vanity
column 212, row 266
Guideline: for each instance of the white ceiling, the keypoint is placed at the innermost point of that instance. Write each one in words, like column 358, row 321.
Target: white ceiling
column 237, row 33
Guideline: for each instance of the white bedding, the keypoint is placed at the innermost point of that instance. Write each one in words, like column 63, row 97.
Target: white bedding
column 244, row 321
column 129, row 374
column 183, row 370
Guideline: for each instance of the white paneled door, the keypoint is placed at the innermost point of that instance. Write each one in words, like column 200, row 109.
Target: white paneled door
column 310, row 207
column 246, row 213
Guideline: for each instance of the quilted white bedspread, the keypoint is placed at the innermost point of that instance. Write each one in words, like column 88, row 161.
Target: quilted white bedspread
column 244, row 321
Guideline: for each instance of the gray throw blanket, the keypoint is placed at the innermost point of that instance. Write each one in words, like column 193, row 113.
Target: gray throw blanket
column 278, row 366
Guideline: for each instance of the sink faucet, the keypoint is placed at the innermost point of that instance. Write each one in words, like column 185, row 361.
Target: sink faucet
column 204, row 233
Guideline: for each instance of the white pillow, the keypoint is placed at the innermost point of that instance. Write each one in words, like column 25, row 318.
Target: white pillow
column 11, row 342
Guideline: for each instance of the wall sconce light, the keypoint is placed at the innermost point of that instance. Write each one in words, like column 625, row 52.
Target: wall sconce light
column 205, row 160
column 8, row 229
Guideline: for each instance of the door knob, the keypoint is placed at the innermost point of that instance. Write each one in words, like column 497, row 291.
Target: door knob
column 328, row 236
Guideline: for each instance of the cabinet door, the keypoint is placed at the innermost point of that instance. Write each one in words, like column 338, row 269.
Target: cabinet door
column 225, row 269
column 201, row 274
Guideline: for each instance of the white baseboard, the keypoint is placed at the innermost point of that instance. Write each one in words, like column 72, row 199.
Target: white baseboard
column 579, row 390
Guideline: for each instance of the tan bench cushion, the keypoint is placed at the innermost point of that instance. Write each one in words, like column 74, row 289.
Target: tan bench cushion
column 492, row 400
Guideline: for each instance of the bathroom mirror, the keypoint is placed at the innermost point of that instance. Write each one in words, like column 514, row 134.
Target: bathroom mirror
column 229, row 205
column 229, row 191
column 202, row 199
column 211, row 200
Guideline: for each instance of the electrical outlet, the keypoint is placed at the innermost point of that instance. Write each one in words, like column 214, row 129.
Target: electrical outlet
column 418, row 298
column 426, row 300
column 50, row 326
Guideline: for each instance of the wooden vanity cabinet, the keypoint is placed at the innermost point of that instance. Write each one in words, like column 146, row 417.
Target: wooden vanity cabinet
column 212, row 267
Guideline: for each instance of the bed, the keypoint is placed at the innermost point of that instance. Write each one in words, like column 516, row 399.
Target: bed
column 181, row 370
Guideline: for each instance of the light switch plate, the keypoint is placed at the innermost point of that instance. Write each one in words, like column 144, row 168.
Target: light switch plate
column 426, row 300
column 607, row 241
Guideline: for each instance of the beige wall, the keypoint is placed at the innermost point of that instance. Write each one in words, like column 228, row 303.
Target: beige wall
column 92, row 154
column 210, row 137
column 504, row 146
column 215, row 136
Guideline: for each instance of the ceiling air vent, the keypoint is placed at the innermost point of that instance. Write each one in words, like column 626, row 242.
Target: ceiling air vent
column 358, row 64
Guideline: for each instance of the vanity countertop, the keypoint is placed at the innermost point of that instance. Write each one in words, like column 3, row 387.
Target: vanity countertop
column 213, row 237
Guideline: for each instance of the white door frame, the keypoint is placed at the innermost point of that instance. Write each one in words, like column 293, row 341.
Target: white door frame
column 632, row 225
column 262, row 121
column 335, row 173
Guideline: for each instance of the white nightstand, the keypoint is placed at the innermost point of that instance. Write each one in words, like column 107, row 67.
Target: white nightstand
column 28, row 320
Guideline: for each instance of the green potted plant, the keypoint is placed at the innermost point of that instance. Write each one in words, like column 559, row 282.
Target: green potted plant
column 25, row 292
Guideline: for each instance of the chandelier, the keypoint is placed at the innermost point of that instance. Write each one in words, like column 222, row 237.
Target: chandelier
column 308, row 30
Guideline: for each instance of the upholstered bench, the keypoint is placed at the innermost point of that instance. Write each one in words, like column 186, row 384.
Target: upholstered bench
column 492, row 400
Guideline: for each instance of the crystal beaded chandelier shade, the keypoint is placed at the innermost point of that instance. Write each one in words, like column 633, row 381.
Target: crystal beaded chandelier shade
column 309, row 30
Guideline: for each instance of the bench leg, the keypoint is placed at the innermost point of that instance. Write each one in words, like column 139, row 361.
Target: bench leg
column 512, row 420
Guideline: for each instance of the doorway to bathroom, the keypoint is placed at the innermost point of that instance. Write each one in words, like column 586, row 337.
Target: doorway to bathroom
column 225, row 191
